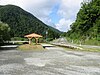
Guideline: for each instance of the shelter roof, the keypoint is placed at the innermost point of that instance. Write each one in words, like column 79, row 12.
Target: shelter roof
column 33, row 35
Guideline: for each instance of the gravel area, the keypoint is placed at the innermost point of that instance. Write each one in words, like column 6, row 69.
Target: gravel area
column 53, row 61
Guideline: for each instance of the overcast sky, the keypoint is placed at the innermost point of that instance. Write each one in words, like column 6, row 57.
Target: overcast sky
column 56, row 13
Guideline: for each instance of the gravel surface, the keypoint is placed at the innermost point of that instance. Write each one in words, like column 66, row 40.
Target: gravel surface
column 53, row 61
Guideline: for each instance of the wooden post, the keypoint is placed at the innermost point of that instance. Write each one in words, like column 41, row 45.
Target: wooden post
column 29, row 40
column 36, row 40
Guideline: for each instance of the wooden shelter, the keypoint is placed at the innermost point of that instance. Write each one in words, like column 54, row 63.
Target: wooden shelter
column 33, row 35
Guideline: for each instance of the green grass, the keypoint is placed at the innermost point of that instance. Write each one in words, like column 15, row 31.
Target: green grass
column 92, row 42
column 84, row 42
column 91, row 49
column 84, row 49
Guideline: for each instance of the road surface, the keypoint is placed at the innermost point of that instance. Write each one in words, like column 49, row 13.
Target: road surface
column 53, row 61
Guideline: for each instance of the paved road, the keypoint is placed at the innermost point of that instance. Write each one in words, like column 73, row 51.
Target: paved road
column 53, row 61
column 64, row 43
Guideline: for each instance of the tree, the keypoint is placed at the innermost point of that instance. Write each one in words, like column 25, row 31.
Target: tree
column 4, row 32
column 87, row 24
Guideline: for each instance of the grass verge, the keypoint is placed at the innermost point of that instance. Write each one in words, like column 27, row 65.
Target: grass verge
column 91, row 49
column 84, row 49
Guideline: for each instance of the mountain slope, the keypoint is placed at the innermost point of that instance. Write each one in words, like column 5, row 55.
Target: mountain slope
column 22, row 22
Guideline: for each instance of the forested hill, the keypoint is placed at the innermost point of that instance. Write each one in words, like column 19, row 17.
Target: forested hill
column 87, row 24
column 21, row 22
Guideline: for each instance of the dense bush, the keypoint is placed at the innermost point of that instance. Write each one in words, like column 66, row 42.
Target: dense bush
column 4, row 32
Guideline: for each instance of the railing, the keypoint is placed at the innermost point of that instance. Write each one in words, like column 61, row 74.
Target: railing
column 15, row 42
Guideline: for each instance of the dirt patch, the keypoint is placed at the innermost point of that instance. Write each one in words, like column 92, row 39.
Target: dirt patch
column 30, row 47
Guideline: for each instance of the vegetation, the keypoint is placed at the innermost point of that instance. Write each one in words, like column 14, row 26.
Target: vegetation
column 84, row 49
column 86, row 28
column 22, row 22
column 4, row 32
